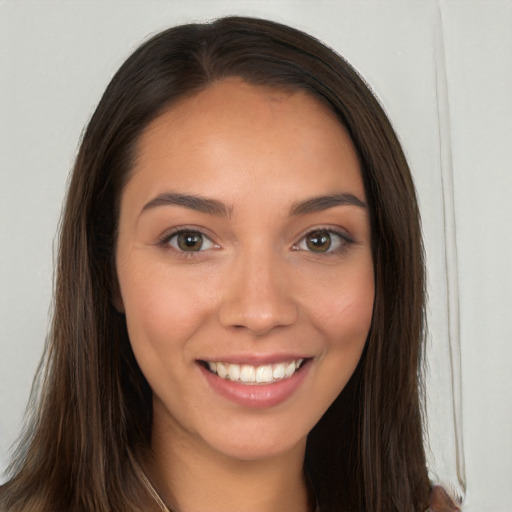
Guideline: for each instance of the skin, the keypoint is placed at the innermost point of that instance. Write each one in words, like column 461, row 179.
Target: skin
column 255, row 287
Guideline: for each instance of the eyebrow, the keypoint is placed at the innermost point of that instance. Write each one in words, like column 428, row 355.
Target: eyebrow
column 218, row 208
column 320, row 203
column 198, row 203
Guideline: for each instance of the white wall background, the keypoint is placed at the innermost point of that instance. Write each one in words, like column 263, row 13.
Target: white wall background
column 443, row 70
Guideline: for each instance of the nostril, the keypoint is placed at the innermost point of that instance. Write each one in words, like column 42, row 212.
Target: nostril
column 258, row 317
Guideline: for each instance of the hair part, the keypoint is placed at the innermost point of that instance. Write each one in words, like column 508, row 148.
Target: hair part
column 92, row 405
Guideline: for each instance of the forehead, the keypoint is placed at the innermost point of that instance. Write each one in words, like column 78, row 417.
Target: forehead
column 235, row 93
column 230, row 101
column 245, row 135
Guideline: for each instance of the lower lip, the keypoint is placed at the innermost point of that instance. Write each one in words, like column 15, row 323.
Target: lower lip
column 256, row 395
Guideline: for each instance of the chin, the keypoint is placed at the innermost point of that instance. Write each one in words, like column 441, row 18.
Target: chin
column 265, row 438
column 248, row 450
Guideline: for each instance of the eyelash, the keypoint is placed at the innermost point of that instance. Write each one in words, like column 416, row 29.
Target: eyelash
column 165, row 241
column 342, row 241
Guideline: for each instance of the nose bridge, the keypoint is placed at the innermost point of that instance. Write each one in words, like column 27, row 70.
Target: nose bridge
column 257, row 293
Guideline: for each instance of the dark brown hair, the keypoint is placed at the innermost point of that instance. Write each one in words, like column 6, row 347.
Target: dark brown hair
column 91, row 405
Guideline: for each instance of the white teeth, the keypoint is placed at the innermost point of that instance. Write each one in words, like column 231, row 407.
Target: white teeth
column 290, row 369
column 264, row 373
column 278, row 372
column 249, row 374
column 234, row 372
column 221, row 370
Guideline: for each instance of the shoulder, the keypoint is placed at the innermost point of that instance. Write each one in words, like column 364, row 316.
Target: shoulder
column 440, row 501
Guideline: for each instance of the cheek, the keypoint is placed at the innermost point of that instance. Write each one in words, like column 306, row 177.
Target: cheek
column 161, row 308
column 342, row 309
column 351, row 314
column 344, row 320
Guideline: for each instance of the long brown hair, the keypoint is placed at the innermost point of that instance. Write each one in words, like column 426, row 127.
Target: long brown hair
column 91, row 415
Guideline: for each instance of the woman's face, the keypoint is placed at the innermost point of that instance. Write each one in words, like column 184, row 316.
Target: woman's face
column 245, row 267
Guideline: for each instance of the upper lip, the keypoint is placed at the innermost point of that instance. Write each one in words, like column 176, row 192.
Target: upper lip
column 256, row 359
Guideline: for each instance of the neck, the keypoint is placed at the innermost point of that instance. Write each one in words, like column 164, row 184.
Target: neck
column 190, row 478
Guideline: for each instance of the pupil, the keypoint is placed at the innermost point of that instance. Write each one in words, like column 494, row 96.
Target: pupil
column 190, row 241
column 319, row 242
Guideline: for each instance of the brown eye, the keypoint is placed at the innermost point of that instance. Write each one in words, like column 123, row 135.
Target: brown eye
column 318, row 241
column 189, row 241
column 323, row 241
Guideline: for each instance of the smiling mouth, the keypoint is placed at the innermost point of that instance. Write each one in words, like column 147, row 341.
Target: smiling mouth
column 253, row 375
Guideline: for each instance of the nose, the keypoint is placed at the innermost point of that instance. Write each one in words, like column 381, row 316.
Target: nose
column 258, row 295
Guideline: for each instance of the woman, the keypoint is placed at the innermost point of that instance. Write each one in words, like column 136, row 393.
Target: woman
column 240, row 291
